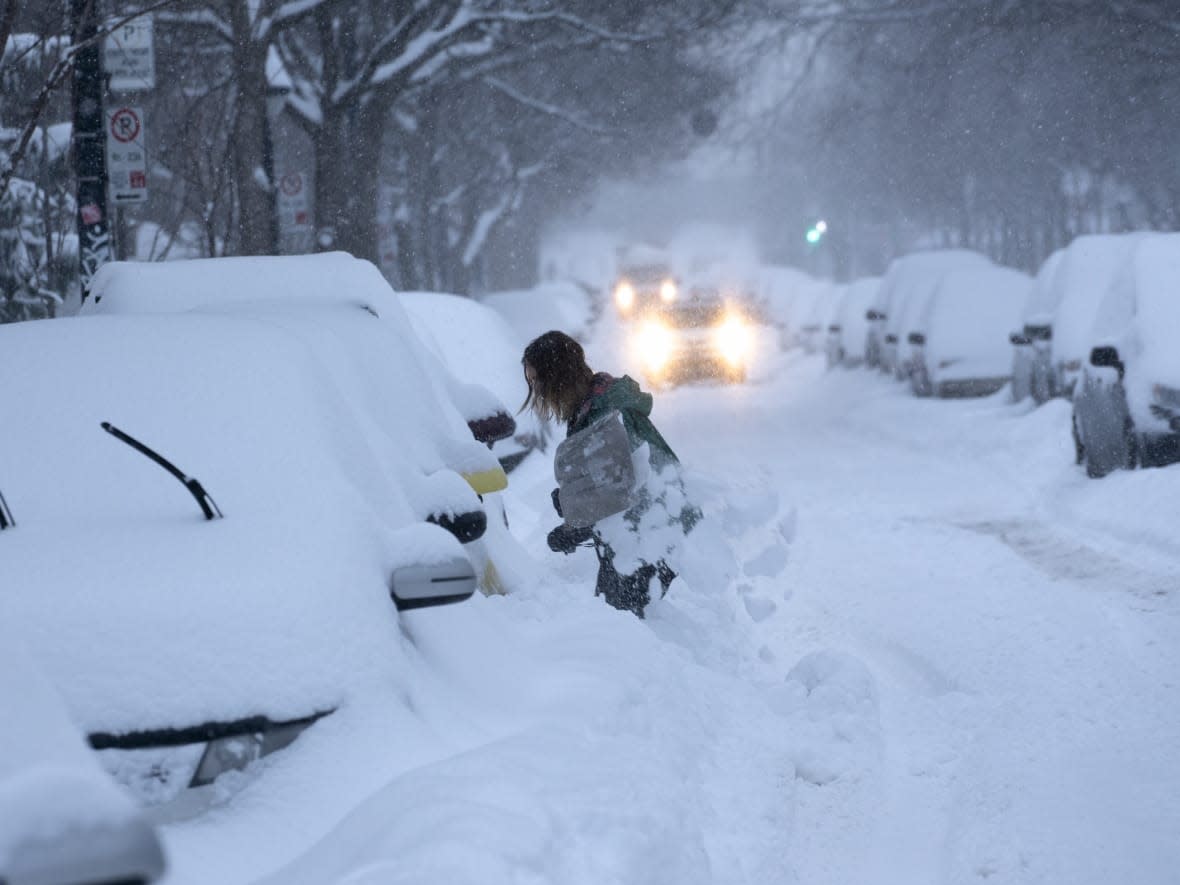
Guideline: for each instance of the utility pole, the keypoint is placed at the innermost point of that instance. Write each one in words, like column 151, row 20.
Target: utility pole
column 94, row 228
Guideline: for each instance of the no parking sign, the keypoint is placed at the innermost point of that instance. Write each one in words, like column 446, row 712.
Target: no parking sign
column 126, row 156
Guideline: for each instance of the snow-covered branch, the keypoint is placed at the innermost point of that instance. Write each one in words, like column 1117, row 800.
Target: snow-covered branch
column 204, row 19
column 544, row 107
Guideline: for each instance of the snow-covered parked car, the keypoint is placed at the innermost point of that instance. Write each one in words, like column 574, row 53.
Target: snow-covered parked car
column 1126, row 405
column 480, row 348
column 288, row 395
column 62, row 818
column 778, row 289
column 1083, row 275
column 816, row 315
column 915, row 272
column 1032, row 357
column 848, row 330
column 960, row 347
column 788, row 299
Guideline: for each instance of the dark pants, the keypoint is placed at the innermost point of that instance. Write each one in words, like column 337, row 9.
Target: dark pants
column 628, row 592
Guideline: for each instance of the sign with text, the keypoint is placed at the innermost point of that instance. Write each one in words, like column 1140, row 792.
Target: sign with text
column 126, row 156
column 128, row 56
column 292, row 203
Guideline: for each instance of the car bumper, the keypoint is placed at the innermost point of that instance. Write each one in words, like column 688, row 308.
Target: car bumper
column 963, row 388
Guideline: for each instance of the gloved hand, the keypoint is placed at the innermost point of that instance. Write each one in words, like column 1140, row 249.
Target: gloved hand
column 565, row 539
column 557, row 501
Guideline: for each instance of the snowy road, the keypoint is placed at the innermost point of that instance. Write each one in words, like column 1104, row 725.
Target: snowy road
column 940, row 655
column 1024, row 664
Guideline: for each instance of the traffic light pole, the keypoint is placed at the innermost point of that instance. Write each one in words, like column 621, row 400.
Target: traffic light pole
column 94, row 226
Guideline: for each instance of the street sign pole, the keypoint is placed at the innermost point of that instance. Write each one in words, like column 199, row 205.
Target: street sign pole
column 94, row 229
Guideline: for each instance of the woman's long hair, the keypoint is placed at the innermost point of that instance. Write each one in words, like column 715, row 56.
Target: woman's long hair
column 561, row 377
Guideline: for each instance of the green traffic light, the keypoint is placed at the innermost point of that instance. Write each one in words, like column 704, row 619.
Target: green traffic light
column 813, row 235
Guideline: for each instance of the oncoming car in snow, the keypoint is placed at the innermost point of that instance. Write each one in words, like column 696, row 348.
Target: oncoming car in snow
column 646, row 280
column 701, row 336
column 334, row 482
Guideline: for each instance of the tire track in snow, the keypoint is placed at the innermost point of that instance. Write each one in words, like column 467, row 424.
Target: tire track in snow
column 1071, row 560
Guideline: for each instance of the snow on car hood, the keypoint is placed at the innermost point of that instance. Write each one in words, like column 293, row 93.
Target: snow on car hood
column 322, row 455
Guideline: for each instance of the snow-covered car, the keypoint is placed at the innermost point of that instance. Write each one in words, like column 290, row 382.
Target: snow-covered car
column 1032, row 360
column 701, row 335
column 62, row 818
column 1084, row 273
column 960, row 347
column 480, row 348
column 849, row 328
column 292, row 396
column 816, row 316
column 903, row 276
column 532, row 312
column 781, row 291
column 1126, row 405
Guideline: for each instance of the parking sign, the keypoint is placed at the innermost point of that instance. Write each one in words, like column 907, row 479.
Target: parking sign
column 126, row 156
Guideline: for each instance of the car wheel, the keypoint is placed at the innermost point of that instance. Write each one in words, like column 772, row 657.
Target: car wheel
column 1131, row 446
column 1078, row 449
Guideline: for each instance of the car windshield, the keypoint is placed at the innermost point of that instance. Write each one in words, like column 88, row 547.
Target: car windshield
column 646, row 273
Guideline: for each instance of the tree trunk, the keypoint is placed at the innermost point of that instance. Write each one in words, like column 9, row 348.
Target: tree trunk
column 253, row 180
column 347, row 148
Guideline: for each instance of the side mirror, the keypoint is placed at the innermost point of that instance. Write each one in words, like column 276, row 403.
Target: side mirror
column 1107, row 357
column 493, row 428
column 835, row 327
column 1019, row 339
column 890, row 339
column 917, row 339
column 873, row 315
column 1039, row 333
column 421, row 586
column 467, row 527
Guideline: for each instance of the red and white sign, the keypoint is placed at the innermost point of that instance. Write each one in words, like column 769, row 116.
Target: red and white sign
column 292, row 203
column 125, row 126
column 126, row 156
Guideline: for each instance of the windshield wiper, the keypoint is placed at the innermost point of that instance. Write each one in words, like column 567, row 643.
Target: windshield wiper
column 6, row 520
column 204, row 501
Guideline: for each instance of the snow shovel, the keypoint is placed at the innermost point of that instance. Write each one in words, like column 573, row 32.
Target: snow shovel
column 594, row 471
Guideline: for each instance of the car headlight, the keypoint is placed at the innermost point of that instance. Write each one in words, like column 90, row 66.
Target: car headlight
column 625, row 296
column 653, row 343
column 668, row 291
column 733, row 340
